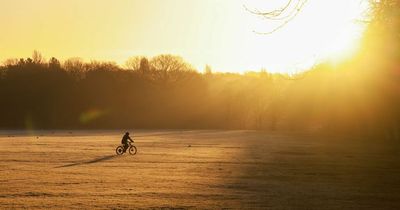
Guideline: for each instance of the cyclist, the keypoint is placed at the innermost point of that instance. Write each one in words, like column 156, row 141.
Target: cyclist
column 125, row 139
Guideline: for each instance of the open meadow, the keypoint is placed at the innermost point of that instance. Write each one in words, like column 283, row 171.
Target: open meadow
column 196, row 169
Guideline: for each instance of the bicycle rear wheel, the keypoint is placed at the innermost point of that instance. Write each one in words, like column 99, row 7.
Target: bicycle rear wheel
column 119, row 150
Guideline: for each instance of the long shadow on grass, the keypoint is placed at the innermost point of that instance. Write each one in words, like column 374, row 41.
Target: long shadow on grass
column 101, row 159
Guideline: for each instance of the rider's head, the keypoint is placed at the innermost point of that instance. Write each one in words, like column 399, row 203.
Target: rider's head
column 127, row 133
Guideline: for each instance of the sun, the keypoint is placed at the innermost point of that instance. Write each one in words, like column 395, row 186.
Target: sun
column 341, row 28
column 320, row 31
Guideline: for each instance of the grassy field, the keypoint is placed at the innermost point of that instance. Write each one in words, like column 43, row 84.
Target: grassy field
column 196, row 169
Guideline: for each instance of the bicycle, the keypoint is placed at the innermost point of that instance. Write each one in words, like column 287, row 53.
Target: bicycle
column 131, row 149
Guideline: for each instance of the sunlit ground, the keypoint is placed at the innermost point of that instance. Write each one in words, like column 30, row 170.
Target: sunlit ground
column 196, row 169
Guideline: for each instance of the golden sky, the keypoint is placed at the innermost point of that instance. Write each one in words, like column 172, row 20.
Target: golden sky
column 215, row 32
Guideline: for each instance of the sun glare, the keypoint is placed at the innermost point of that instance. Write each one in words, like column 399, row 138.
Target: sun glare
column 322, row 30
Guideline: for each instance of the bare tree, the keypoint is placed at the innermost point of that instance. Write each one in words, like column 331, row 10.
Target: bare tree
column 11, row 62
column 75, row 66
column 283, row 15
column 133, row 63
column 37, row 57
column 144, row 66
column 169, row 68
column 207, row 70
column 54, row 63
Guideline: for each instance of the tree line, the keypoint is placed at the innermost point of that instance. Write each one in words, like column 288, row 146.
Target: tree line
column 161, row 92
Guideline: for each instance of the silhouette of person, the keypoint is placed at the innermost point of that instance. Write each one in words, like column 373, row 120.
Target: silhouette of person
column 125, row 140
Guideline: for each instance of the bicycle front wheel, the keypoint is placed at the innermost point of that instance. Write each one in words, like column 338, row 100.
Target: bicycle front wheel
column 132, row 150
